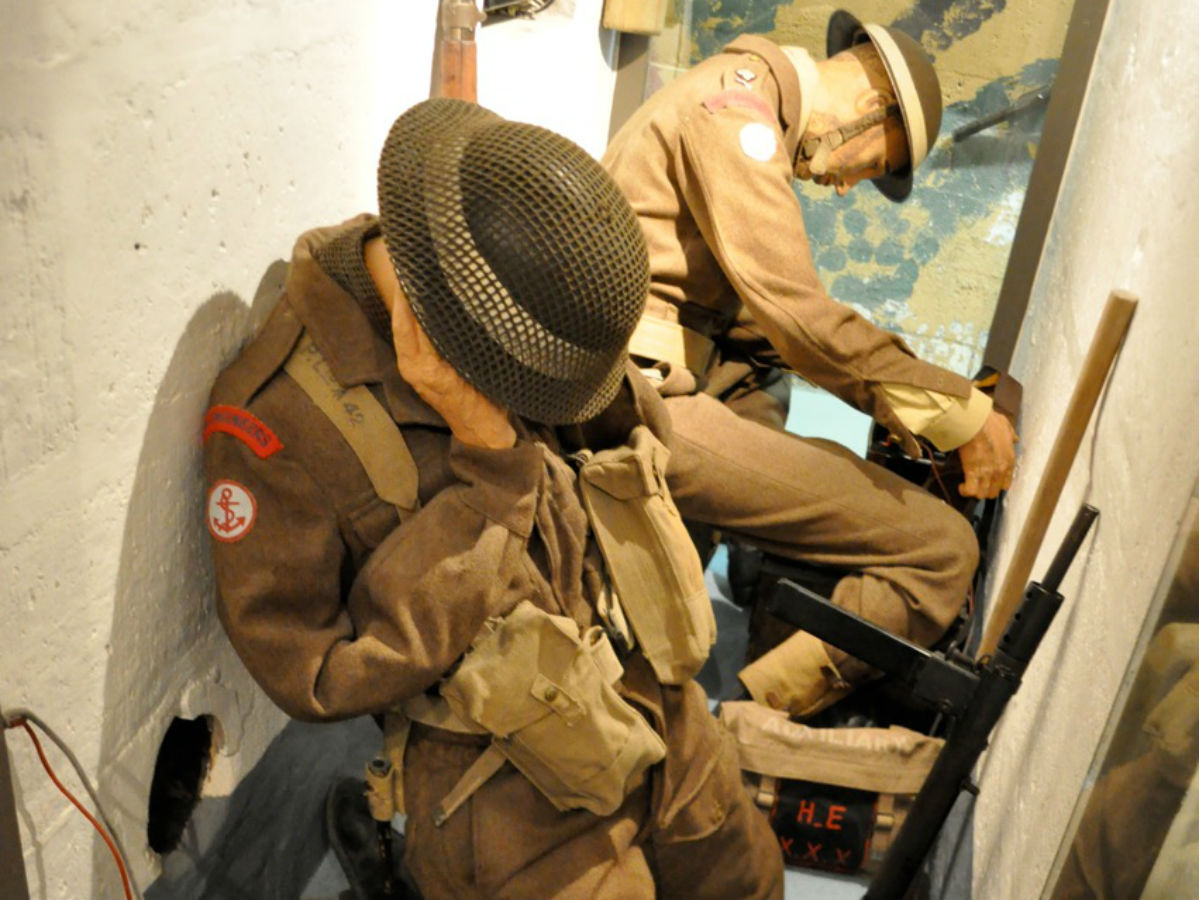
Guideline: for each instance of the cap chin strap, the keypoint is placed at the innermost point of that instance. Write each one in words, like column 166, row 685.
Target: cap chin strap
column 815, row 151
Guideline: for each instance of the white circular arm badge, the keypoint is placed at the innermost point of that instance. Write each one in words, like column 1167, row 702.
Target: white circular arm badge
column 758, row 141
column 232, row 510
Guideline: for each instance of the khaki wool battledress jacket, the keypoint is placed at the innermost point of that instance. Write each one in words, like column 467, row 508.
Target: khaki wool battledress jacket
column 339, row 608
column 707, row 163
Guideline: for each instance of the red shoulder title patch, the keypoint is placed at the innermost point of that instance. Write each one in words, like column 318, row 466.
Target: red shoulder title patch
column 243, row 426
column 739, row 97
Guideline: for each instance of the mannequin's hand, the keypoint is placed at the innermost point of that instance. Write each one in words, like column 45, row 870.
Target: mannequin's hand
column 472, row 417
column 988, row 458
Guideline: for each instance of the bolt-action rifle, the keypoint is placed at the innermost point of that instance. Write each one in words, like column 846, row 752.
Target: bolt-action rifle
column 454, row 62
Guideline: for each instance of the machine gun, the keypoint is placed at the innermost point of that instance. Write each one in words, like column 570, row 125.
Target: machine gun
column 973, row 693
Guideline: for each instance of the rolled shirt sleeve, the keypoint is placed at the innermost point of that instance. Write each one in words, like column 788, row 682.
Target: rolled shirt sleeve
column 945, row 421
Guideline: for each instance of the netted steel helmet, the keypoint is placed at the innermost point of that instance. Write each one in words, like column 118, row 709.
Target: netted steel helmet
column 914, row 83
column 521, row 259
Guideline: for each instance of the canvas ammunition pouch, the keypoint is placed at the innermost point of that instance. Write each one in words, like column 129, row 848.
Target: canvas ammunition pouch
column 544, row 691
column 835, row 797
column 655, row 570
column 797, row 676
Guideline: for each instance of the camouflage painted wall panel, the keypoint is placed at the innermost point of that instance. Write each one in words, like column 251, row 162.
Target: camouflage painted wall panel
column 929, row 268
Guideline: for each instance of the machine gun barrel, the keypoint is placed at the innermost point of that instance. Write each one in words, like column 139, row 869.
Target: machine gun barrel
column 1070, row 546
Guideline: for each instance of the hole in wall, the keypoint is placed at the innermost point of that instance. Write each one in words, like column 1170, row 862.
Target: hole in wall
column 184, row 759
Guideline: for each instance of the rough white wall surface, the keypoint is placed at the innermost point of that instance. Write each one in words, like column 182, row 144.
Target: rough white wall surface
column 557, row 70
column 156, row 158
column 1126, row 218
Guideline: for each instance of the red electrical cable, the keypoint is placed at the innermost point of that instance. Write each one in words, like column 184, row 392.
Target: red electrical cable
column 79, row 806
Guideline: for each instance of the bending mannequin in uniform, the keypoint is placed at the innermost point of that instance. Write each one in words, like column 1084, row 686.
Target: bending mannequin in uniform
column 479, row 326
column 707, row 164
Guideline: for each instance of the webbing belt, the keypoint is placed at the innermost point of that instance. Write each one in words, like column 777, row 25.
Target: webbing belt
column 435, row 712
column 664, row 341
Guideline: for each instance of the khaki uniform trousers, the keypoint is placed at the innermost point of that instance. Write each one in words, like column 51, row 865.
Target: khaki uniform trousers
column 701, row 838
column 910, row 556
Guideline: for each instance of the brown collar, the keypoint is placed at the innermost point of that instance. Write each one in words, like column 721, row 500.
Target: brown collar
column 355, row 352
column 785, row 76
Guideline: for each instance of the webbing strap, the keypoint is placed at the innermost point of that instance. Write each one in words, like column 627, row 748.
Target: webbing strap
column 385, row 773
column 435, row 712
column 817, row 150
column 361, row 419
column 671, row 342
column 885, row 812
column 487, row 765
column 598, row 646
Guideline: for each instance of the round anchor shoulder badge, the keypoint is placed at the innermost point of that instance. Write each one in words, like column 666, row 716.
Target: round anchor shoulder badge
column 232, row 510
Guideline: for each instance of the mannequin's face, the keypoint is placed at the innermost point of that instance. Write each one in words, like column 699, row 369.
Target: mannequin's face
column 854, row 83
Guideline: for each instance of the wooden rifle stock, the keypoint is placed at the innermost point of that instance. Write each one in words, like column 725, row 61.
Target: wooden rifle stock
column 455, row 61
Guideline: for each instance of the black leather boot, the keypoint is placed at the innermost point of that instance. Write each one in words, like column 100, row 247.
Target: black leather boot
column 371, row 853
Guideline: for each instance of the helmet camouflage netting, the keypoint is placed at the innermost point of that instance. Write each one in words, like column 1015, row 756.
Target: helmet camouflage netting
column 520, row 257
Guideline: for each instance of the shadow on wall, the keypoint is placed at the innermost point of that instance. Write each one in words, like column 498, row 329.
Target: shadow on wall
column 168, row 656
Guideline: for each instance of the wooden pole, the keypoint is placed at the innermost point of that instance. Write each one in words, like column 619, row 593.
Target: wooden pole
column 1114, row 322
